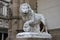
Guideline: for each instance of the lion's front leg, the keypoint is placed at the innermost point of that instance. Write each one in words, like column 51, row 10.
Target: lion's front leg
column 27, row 26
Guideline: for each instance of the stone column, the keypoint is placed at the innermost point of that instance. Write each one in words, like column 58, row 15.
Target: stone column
column 15, row 15
column 15, row 23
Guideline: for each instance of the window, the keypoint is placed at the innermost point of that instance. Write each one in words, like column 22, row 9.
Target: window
column 3, row 36
column 1, row 9
column 4, row 10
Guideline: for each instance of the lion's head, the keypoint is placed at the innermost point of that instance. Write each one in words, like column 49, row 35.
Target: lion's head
column 25, row 8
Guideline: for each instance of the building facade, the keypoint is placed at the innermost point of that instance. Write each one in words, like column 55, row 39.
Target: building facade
column 3, row 19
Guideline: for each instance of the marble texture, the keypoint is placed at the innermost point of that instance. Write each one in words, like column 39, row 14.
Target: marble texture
column 32, row 19
column 32, row 23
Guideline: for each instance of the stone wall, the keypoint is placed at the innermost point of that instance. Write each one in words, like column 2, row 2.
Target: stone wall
column 51, row 10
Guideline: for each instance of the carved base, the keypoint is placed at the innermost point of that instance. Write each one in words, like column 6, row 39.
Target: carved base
column 33, row 35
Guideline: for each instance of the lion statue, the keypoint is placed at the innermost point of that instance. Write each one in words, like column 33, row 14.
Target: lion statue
column 32, row 20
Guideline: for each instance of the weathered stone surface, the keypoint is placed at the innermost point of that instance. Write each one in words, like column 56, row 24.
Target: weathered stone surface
column 33, row 35
column 32, row 26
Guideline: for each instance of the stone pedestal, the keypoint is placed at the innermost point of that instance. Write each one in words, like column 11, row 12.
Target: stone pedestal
column 32, row 39
column 33, row 36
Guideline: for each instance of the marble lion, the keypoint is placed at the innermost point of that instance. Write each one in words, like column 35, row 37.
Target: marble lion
column 32, row 19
